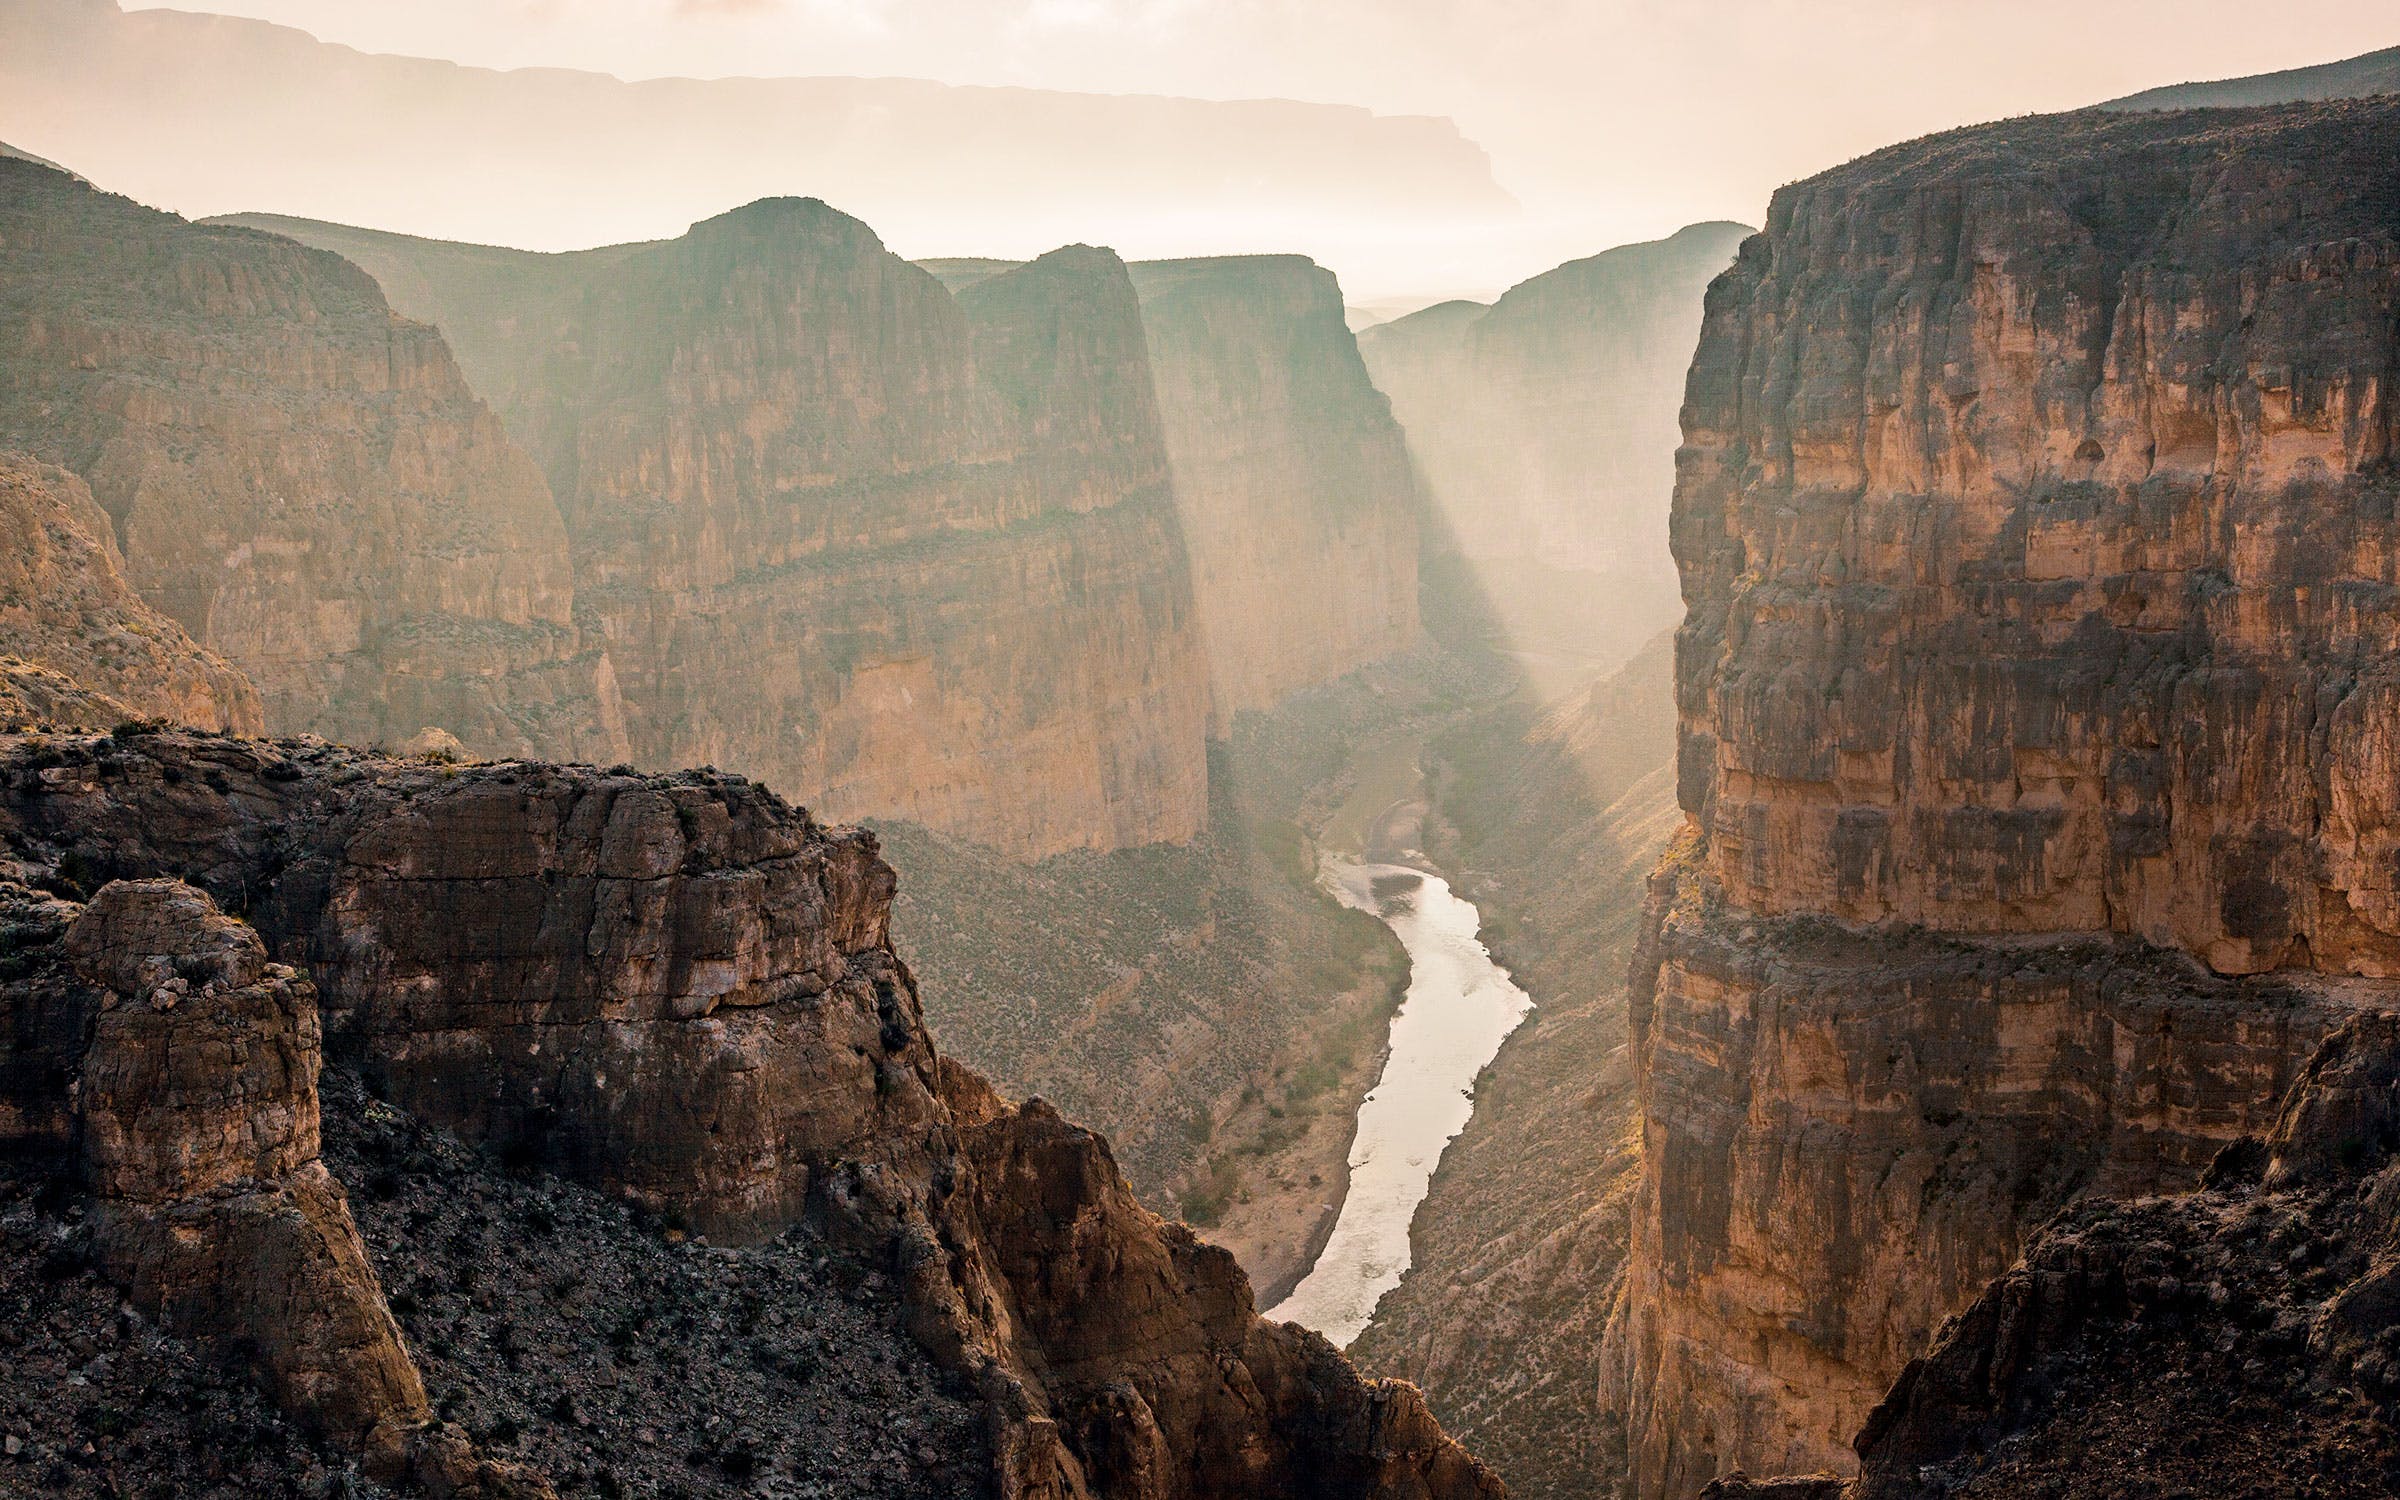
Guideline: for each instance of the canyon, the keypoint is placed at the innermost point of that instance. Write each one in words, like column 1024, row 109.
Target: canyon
column 2034, row 516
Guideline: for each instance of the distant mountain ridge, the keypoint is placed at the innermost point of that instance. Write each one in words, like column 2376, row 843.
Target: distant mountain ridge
column 563, row 159
column 2350, row 78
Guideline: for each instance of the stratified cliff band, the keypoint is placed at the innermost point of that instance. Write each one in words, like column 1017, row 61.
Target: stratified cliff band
column 2036, row 522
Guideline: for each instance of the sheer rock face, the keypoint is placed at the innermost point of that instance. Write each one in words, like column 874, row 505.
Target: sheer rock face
column 299, row 479
column 65, row 606
column 1283, row 452
column 2238, row 1340
column 2036, row 523
column 682, row 989
column 909, row 554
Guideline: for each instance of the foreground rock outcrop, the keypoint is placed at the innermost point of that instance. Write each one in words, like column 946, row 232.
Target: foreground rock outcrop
column 906, row 553
column 678, row 990
column 301, row 481
column 66, row 608
column 2035, row 516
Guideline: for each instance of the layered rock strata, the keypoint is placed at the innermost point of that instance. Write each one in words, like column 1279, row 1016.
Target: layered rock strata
column 65, row 606
column 1298, row 503
column 1545, row 428
column 300, row 480
column 682, row 990
column 2035, row 516
column 2242, row 1340
column 909, row 554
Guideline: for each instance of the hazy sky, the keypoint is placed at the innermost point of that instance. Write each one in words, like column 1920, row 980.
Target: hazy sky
column 1610, row 119
column 1666, row 112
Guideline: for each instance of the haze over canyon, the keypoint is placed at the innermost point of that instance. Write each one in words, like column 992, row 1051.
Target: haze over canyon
column 827, row 786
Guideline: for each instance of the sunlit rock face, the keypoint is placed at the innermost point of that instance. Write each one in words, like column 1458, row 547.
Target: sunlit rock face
column 1545, row 426
column 904, row 553
column 65, row 607
column 1292, row 479
column 2036, row 522
column 299, row 479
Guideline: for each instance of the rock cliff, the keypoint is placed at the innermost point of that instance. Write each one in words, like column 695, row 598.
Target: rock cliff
column 2237, row 1341
column 2035, row 519
column 300, row 480
column 65, row 606
column 909, row 554
column 676, row 989
column 1298, row 504
column 1545, row 427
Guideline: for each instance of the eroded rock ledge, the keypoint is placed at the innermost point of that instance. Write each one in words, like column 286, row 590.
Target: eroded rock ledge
column 678, row 989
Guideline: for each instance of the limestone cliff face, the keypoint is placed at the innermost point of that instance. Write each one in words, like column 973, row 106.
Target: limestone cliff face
column 65, row 606
column 2237, row 1340
column 907, row 554
column 299, row 479
column 2035, row 515
column 1291, row 477
column 1545, row 426
column 682, row 990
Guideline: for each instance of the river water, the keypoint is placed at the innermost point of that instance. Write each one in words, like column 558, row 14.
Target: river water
column 1460, row 1007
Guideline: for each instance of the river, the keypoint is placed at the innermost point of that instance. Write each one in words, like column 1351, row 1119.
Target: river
column 1459, row 1008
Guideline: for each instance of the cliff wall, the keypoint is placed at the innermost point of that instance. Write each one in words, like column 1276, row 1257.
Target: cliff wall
column 2035, row 518
column 65, row 606
column 1292, row 480
column 909, row 554
column 300, row 480
column 677, row 989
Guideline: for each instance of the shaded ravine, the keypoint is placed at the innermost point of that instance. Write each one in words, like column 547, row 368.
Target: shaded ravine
column 1460, row 1007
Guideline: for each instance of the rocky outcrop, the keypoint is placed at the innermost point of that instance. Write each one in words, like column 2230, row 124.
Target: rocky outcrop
column 2035, row 519
column 681, row 990
column 2239, row 1340
column 151, row 1043
column 1291, row 477
column 1545, row 427
column 909, row 554
column 65, row 606
column 301, row 481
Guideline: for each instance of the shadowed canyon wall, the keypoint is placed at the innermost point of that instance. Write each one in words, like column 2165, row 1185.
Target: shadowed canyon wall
column 678, row 989
column 904, row 553
column 300, row 480
column 1545, row 429
column 2036, row 522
